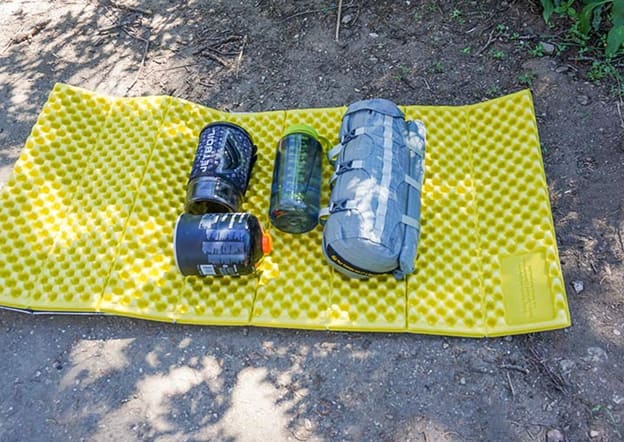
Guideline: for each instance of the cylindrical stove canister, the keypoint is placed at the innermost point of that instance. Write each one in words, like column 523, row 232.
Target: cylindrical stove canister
column 218, row 244
column 221, row 169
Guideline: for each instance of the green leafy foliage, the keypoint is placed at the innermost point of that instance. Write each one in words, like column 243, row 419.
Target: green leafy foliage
column 527, row 78
column 590, row 17
column 549, row 8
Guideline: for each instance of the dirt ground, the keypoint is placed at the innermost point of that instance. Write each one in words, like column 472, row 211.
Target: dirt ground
column 104, row 378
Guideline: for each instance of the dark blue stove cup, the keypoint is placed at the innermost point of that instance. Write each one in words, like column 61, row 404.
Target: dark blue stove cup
column 221, row 170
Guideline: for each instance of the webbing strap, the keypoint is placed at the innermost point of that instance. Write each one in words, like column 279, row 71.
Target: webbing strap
column 416, row 184
column 323, row 215
column 338, row 206
column 386, row 177
column 334, row 152
column 346, row 167
column 410, row 221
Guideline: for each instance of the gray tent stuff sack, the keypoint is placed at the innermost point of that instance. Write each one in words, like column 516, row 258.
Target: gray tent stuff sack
column 372, row 222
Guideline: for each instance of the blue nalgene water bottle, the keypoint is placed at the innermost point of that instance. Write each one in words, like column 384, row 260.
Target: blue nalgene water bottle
column 221, row 169
column 296, row 187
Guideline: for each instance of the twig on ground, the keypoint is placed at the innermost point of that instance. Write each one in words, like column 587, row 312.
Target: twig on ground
column 407, row 82
column 173, row 68
column 228, row 39
column 593, row 266
column 426, row 83
column 439, row 7
column 583, row 58
column 214, row 52
column 316, row 11
column 515, row 367
column 223, row 53
column 555, row 378
column 239, row 59
column 19, row 38
column 357, row 16
column 145, row 49
column 215, row 57
column 107, row 29
column 511, row 387
column 206, row 84
column 531, row 435
column 338, row 18
column 132, row 8
column 619, row 109
column 490, row 40
column 619, row 235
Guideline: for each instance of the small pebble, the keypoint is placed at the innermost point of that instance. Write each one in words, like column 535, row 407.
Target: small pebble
column 578, row 285
column 554, row 436
column 596, row 355
column 562, row 69
column 347, row 19
column 583, row 100
column 594, row 434
column 616, row 332
column 566, row 365
column 548, row 48
column 373, row 35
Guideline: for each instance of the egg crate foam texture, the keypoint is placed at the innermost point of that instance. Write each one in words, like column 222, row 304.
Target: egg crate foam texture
column 87, row 219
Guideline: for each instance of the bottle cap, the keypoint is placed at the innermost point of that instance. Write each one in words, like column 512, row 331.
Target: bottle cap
column 267, row 243
column 302, row 129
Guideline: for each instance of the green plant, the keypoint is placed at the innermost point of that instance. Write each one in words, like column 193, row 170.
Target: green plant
column 493, row 91
column 601, row 70
column 591, row 18
column 403, row 72
column 438, row 67
column 545, row 149
column 561, row 7
column 432, row 6
column 527, row 78
column 595, row 411
column 466, row 50
column 496, row 54
column 457, row 14
column 537, row 51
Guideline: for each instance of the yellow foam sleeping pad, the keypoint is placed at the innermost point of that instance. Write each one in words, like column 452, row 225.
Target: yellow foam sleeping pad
column 86, row 223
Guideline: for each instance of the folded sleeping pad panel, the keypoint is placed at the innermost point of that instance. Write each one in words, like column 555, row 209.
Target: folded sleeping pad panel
column 87, row 217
